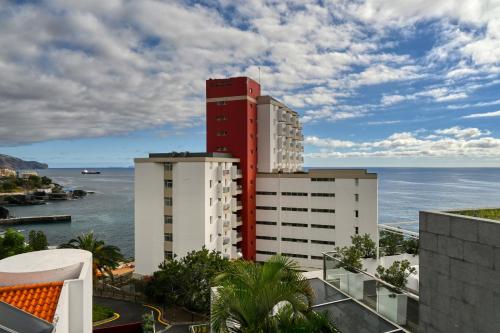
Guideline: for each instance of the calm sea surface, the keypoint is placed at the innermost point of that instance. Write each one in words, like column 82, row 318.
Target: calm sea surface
column 402, row 193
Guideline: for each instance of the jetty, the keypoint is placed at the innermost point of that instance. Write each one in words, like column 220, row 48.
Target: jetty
column 36, row 220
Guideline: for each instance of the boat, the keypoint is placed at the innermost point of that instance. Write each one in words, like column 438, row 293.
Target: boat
column 90, row 172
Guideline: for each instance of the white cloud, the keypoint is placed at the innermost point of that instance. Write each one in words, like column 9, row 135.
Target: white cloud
column 449, row 142
column 483, row 115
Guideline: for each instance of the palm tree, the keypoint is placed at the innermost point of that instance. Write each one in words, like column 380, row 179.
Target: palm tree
column 273, row 297
column 105, row 258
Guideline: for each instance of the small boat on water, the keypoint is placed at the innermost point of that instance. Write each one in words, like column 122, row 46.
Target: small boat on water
column 90, row 172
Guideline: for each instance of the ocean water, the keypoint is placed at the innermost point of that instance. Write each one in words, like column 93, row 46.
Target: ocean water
column 403, row 192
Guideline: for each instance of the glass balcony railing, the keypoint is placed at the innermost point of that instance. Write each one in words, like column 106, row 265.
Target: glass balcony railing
column 392, row 303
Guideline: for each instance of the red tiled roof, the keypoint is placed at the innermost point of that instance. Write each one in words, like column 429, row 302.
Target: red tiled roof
column 39, row 299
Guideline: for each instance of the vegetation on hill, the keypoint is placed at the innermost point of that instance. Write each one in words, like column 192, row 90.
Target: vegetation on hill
column 492, row 214
column 13, row 184
column 10, row 162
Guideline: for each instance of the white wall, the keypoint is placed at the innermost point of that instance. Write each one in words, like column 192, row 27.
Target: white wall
column 343, row 219
column 149, row 217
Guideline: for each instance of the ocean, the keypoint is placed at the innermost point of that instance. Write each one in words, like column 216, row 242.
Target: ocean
column 403, row 192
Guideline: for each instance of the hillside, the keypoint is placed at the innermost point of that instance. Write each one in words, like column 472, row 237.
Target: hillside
column 15, row 163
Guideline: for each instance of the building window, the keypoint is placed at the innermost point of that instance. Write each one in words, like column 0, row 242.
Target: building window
column 294, row 255
column 356, row 213
column 323, row 195
column 322, row 179
column 211, row 183
column 168, row 201
column 169, row 255
column 356, row 181
column 294, row 194
column 168, row 219
column 265, row 222
column 168, row 166
column 266, row 208
column 168, row 183
column 211, row 236
column 266, row 237
column 220, row 118
column 265, row 193
column 356, row 230
column 222, row 133
column 356, row 197
column 314, row 241
column 321, row 210
column 221, row 103
column 168, row 237
column 287, row 224
column 221, row 148
column 294, row 209
column 294, row 240
column 322, row 226
column 317, row 257
column 269, row 253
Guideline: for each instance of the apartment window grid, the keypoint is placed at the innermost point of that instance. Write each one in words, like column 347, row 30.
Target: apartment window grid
column 322, row 226
column 168, row 183
column 315, row 241
column 323, row 195
column 356, row 213
column 168, row 166
column 168, row 201
column 356, row 230
column 168, row 237
column 322, row 210
column 301, row 225
column 294, row 209
column 356, row 197
column 322, row 179
column 294, row 194
column 168, row 219
column 169, row 255
column 266, row 237
column 294, row 240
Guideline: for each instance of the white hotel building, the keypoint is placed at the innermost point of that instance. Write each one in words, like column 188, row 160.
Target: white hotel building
column 184, row 201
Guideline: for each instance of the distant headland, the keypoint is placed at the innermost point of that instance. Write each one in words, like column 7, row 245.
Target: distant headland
column 14, row 163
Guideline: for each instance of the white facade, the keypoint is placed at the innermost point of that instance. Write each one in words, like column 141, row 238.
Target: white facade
column 183, row 204
column 70, row 266
column 279, row 137
column 305, row 214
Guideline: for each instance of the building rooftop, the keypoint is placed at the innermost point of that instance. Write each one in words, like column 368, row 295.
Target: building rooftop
column 187, row 157
column 324, row 173
column 38, row 299
column 189, row 154
column 485, row 213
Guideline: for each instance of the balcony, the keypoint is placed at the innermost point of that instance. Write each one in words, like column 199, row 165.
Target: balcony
column 236, row 189
column 226, row 224
column 236, row 205
column 226, row 240
column 226, row 189
column 236, row 221
column 235, row 172
column 237, row 237
column 282, row 129
column 226, row 207
column 281, row 115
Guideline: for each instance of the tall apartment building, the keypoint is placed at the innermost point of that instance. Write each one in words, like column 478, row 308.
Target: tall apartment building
column 184, row 201
column 275, row 206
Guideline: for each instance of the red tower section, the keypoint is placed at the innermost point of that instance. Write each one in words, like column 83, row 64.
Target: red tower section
column 232, row 128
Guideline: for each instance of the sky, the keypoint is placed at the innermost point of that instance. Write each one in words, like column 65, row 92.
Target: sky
column 377, row 82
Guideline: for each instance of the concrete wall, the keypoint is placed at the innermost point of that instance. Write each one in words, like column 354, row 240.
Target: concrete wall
column 459, row 273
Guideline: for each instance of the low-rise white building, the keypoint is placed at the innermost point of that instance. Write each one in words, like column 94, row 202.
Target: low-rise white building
column 184, row 201
column 47, row 291
column 303, row 215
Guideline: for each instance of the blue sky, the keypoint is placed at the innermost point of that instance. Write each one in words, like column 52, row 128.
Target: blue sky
column 377, row 82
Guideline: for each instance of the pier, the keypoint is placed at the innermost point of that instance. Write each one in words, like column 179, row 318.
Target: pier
column 36, row 220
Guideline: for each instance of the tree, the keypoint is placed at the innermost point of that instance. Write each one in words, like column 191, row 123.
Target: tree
column 411, row 246
column 37, row 241
column 148, row 322
column 391, row 242
column 397, row 274
column 365, row 245
column 11, row 243
column 46, row 181
column 187, row 281
column 105, row 258
column 350, row 258
column 271, row 297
